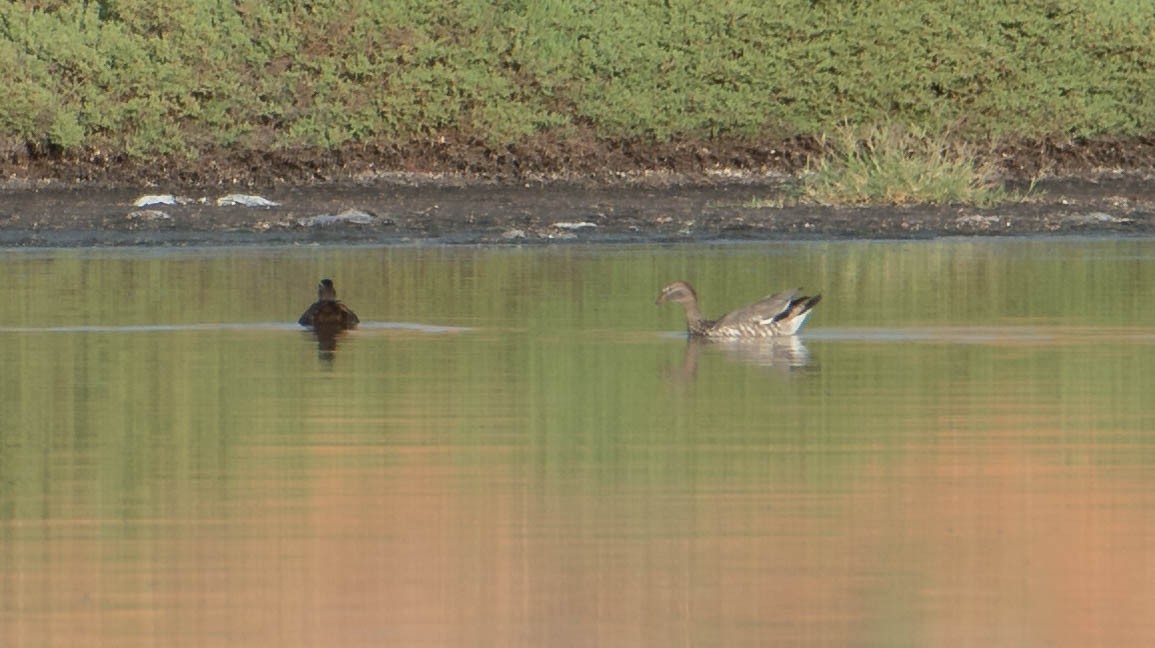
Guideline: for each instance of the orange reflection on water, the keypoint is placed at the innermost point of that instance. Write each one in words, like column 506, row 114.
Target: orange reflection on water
column 962, row 545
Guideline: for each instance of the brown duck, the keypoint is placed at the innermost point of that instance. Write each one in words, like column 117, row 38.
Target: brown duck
column 776, row 315
column 328, row 312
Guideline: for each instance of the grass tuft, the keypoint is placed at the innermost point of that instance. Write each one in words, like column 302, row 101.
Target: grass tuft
column 892, row 165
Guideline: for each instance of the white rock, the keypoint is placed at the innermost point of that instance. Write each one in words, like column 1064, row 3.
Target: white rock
column 355, row 216
column 245, row 200
column 979, row 221
column 155, row 199
column 1093, row 218
column 574, row 226
column 148, row 215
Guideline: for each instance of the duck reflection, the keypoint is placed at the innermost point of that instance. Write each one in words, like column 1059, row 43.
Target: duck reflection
column 328, row 318
column 327, row 337
column 784, row 354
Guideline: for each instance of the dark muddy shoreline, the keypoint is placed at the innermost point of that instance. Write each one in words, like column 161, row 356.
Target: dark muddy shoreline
column 602, row 193
column 414, row 210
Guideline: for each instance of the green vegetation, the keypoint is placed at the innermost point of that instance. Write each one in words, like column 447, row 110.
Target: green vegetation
column 146, row 78
column 894, row 166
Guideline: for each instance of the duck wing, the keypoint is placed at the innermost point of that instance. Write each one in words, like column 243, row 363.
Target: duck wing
column 762, row 312
column 309, row 315
column 351, row 318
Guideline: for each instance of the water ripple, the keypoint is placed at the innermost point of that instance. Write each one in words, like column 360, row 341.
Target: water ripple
column 985, row 335
column 240, row 326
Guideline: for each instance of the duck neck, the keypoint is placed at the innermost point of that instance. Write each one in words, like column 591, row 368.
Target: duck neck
column 694, row 319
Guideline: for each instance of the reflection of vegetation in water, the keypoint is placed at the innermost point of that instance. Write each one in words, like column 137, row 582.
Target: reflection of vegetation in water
column 566, row 375
column 591, row 289
column 127, row 77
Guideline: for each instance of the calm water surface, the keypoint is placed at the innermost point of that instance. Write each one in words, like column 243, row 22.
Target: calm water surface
column 519, row 449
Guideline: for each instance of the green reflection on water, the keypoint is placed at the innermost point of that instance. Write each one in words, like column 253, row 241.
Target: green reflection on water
column 161, row 410
column 562, row 362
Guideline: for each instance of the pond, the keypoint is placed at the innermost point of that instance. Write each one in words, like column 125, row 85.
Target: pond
column 519, row 448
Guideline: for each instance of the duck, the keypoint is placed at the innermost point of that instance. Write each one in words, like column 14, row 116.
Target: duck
column 778, row 315
column 328, row 312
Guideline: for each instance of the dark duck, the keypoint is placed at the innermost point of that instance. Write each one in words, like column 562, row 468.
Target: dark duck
column 328, row 312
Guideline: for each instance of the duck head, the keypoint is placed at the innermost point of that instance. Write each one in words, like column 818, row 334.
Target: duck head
column 326, row 291
column 678, row 292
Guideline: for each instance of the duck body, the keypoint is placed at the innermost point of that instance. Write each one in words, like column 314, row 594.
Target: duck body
column 328, row 312
column 778, row 315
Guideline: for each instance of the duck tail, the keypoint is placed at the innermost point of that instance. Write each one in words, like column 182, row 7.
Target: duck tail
column 794, row 315
column 809, row 302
